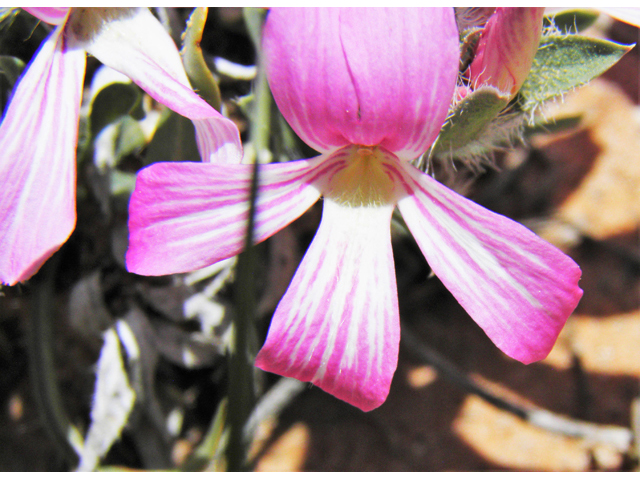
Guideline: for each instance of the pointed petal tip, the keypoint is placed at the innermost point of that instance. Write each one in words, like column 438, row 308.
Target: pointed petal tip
column 12, row 275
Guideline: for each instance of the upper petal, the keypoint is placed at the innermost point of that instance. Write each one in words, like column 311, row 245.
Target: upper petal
column 185, row 216
column 38, row 140
column 363, row 76
column 516, row 286
column 51, row 15
column 133, row 42
column 338, row 323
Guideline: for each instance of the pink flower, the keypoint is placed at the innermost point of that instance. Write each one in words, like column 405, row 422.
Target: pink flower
column 506, row 49
column 369, row 89
column 38, row 135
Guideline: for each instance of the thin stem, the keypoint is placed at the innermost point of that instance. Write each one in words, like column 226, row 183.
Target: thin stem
column 241, row 392
column 42, row 372
column 617, row 437
column 241, row 375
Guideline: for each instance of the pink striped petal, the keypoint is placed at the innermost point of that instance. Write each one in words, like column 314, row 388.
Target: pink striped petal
column 134, row 43
column 506, row 49
column 392, row 90
column 50, row 15
column 338, row 323
column 185, row 216
column 38, row 140
column 516, row 286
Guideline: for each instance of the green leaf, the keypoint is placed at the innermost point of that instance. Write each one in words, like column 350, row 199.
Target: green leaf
column 122, row 182
column 112, row 103
column 564, row 63
column 174, row 140
column 11, row 68
column 469, row 119
column 130, row 138
column 571, row 21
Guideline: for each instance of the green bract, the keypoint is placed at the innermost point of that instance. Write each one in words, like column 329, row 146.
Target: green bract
column 469, row 119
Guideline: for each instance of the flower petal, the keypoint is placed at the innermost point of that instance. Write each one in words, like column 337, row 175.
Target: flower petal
column 184, row 216
column 38, row 140
column 506, row 49
column 338, row 323
column 393, row 90
column 50, row 15
column 134, row 43
column 516, row 286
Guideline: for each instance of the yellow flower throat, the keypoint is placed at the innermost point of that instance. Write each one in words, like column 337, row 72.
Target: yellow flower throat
column 364, row 181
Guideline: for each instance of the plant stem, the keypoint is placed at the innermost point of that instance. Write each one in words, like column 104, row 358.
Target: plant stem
column 618, row 437
column 42, row 372
column 241, row 377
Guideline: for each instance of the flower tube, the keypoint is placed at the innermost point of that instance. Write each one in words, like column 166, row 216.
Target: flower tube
column 39, row 132
column 369, row 89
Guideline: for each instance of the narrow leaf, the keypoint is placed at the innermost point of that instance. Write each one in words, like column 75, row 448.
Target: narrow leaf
column 199, row 74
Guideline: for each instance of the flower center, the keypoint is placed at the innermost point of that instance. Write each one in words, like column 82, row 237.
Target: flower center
column 365, row 180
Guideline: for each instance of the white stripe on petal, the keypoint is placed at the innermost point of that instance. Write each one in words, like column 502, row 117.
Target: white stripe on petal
column 38, row 140
column 517, row 287
column 134, row 43
column 338, row 323
column 186, row 216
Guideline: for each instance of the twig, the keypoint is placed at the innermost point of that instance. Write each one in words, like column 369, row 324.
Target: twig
column 273, row 402
column 618, row 437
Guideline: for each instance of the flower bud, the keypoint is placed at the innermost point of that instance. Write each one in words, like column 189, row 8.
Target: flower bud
column 506, row 49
